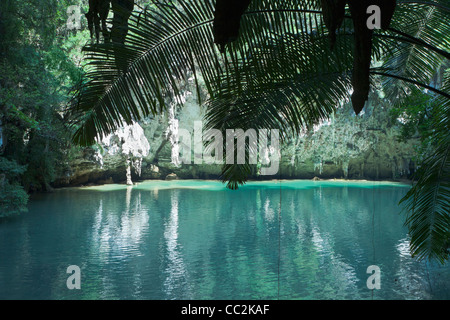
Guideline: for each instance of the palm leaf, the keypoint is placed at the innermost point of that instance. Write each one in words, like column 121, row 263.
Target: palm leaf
column 427, row 204
column 287, row 92
column 419, row 39
column 161, row 47
column 284, row 77
column 132, row 81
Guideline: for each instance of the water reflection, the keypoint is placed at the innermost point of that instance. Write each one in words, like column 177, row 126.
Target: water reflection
column 409, row 277
column 120, row 232
column 175, row 270
column 134, row 222
column 211, row 243
column 269, row 213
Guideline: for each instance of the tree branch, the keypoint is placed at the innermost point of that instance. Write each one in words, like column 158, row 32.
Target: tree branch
column 413, row 82
column 411, row 39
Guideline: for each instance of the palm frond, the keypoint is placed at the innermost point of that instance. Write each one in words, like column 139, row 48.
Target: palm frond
column 162, row 46
column 284, row 76
column 427, row 204
column 419, row 38
column 279, row 95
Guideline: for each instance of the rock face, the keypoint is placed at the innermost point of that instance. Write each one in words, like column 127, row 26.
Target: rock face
column 171, row 176
column 351, row 147
column 346, row 146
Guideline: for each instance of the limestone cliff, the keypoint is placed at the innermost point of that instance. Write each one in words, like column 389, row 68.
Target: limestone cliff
column 346, row 146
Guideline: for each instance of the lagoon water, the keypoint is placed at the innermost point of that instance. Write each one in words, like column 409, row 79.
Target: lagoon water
column 197, row 240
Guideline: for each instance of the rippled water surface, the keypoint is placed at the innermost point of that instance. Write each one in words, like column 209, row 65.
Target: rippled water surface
column 197, row 240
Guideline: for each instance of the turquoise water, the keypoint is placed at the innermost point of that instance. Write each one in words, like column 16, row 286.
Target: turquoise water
column 198, row 240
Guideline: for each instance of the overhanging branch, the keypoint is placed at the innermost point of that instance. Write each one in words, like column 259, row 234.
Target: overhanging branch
column 444, row 94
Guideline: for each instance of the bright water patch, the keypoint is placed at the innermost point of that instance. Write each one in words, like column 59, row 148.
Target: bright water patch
column 197, row 240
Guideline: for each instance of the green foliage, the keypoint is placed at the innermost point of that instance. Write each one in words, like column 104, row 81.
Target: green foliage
column 10, row 169
column 428, row 202
column 37, row 69
column 416, row 46
column 13, row 199
column 416, row 115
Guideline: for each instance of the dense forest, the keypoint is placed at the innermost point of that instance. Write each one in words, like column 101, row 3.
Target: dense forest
column 51, row 73
column 40, row 62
